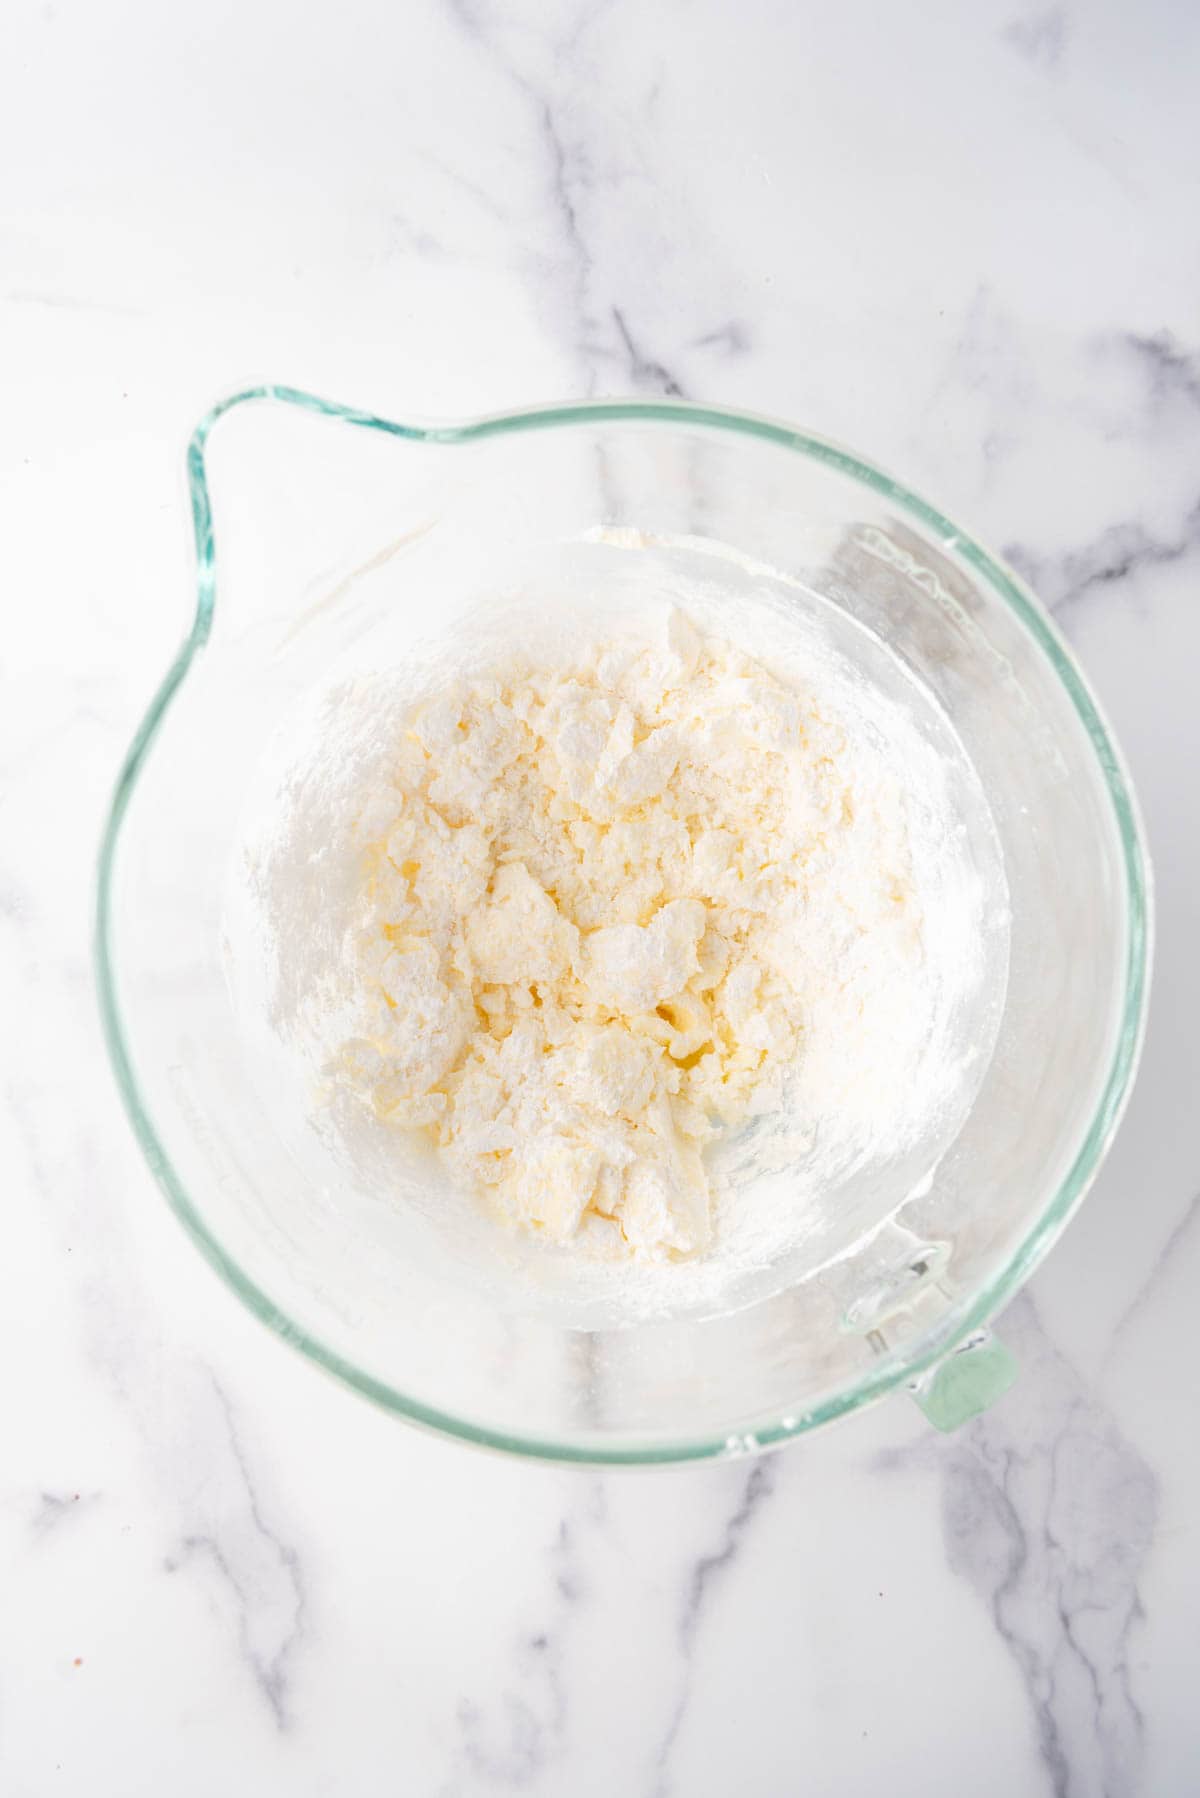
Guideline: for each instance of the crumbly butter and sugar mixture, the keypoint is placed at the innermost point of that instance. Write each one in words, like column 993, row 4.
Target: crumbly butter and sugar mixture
column 601, row 905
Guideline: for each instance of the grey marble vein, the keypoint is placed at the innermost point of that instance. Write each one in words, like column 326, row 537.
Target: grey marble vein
column 1173, row 372
column 645, row 371
column 593, row 311
column 257, row 1567
column 734, row 338
column 197, row 1455
column 1049, row 1513
column 1119, row 553
column 1039, row 38
column 54, row 1509
column 511, row 1736
column 566, row 173
column 1138, row 1306
column 704, row 1578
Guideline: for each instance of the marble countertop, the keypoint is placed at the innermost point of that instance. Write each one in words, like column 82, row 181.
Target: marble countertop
column 961, row 238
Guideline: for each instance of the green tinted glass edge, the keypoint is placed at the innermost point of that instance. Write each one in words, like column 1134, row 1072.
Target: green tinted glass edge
column 892, row 1371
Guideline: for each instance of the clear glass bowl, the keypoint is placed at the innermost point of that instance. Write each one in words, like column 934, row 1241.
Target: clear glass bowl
column 343, row 537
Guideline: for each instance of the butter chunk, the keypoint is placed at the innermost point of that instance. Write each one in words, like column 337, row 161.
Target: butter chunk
column 516, row 936
column 634, row 967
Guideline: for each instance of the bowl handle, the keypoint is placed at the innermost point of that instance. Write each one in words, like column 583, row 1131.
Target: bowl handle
column 978, row 1372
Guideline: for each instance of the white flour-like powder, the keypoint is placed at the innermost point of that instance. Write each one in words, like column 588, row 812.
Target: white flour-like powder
column 682, row 960
column 611, row 909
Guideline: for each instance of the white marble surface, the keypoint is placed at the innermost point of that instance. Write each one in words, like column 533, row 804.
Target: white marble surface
column 963, row 238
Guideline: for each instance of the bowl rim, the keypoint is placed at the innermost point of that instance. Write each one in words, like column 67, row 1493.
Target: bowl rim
column 894, row 1369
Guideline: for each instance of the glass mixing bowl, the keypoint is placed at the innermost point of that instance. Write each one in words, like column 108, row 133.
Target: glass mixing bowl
column 346, row 537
